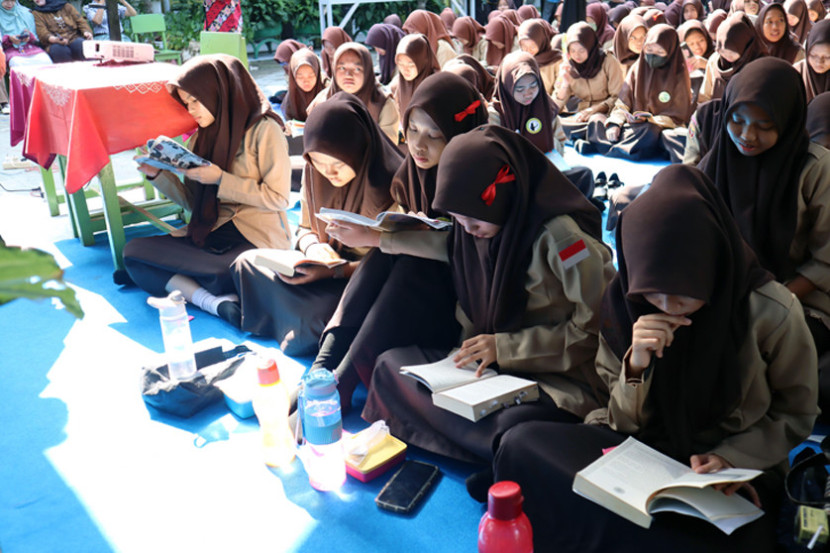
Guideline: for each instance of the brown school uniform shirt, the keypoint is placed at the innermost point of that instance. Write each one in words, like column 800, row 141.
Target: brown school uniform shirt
column 558, row 340
column 66, row 23
column 254, row 193
column 603, row 88
column 779, row 386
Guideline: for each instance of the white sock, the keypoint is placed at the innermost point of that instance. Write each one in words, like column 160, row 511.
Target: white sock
column 186, row 285
column 198, row 296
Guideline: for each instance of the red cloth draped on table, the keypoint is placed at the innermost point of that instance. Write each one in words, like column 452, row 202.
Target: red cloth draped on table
column 223, row 16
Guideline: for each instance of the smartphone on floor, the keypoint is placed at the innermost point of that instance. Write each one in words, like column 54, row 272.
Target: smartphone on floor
column 407, row 487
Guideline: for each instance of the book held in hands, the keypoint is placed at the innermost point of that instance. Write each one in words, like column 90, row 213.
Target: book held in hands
column 165, row 153
column 286, row 262
column 388, row 221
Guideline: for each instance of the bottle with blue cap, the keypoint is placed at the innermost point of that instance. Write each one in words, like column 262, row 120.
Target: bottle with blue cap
column 322, row 453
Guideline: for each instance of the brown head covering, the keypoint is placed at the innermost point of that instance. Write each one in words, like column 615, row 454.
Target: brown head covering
column 514, row 185
column 582, row 33
column 393, row 19
column 512, row 16
column 698, row 7
column 335, row 36
column 417, row 48
column 640, row 10
column 798, row 8
column 818, row 116
column 678, row 238
column 761, row 191
column 455, row 106
column 622, row 52
column 448, row 17
column 787, row 48
column 471, row 69
column 297, row 100
column 714, row 21
column 342, row 128
column 386, row 37
column 818, row 7
column 605, row 32
column 739, row 35
column 287, row 48
column 673, row 12
column 617, row 14
column 528, row 11
column 223, row 85
column 493, row 14
column 816, row 83
column 535, row 121
column 469, row 30
column 695, row 25
column 429, row 25
column 665, row 90
column 654, row 17
column 371, row 93
column 539, row 32
column 500, row 30
column 724, row 5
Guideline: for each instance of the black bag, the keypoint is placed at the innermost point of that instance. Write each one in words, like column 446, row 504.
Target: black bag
column 806, row 482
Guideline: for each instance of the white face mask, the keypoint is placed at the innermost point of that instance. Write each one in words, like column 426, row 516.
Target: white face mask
column 593, row 26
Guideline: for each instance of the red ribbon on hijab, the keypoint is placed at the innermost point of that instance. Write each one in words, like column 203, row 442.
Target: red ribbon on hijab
column 504, row 175
column 469, row 110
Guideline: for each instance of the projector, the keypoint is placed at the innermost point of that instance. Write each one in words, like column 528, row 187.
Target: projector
column 112, row 50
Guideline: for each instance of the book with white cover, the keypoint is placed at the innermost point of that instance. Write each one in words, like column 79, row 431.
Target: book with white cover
column 388, row 221
column 286, row 262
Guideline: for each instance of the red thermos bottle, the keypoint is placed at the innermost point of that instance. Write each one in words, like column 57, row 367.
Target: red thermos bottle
column 505, row 527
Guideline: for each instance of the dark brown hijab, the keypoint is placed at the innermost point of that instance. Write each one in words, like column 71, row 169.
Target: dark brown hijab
column 386, row 37
column 335, row 36
column 342, row 128
column 818, row 7
column 223, row 85
column 494, row 175
column 416, row 47
column 622, row 52
column 512, row 16
column 695, row 25
column 678, row 238
column 698, row 7
column 818, row 116
column 371, row 93
column 582, row 33
column 761, row 191
column 798, row 8
column 605, row 32
column 539, row 32
column 787, row 48
column 816, row 83
column 665, row 90
column 297, row 100
column 471, row 69
column 448, row 18
column 393, row 19
column 468, row 29
column 653, row 17
column 500, row 30
column 287, row 48
column 429, row 25
column 455, row 106
column 736, row 33
column 617, row 14
column 528, row 11
column 535, row 121
column 714, row 21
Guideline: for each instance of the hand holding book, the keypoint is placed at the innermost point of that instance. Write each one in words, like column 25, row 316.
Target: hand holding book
column 710, row 462
column 479, row 349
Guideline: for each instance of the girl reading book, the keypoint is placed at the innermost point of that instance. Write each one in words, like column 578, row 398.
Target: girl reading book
column 707, row 359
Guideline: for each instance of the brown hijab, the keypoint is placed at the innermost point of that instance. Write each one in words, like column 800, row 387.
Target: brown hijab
column 448, row 18
column 416, row 47
column 798, row 8
column 698, row 7
column 818, row 116
column 494, row 175
column 297, row 100
column 816, row 83
column 627, row 26
column 679, row 238
column 605, row 32
column 334, row 36
column 653, row 17
column 818, row 7
column 287, row 48
column 787, row 48
column 512, row 16
column 371, row 93
column 528, row 11
column 342, row 128
column 714, row 21
column 664, row 90
column 429, row 25
column 500, row 30
column 738, row 34
column 582, row 33
column 534, row 121
column 471, row 69
column 695, row 25
column 223, row 85
column 469, row 30
column 386, row 37
column 539, row 32
column 455, row 106
column 761, row 191
column 393, row 19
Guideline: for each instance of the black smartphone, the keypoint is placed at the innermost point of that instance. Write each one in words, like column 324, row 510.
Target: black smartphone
column 407, row 487
column 686, row 51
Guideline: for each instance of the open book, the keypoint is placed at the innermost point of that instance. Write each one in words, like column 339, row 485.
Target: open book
column 286, row 262
column 166, row 153
column 459, row 391
column 636, row 481
column 388, row 221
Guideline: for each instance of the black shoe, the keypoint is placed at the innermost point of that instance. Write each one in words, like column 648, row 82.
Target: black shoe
column 231, row 312
column 478, row 484
column 122, row 278
column 600, row 181
column 614, row 181
column 584, row 147
column 598, row 203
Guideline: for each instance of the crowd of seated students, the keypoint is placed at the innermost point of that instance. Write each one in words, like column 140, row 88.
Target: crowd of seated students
column 704, row 342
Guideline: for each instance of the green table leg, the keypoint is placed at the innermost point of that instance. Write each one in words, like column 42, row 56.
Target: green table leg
column 48, row 181
column 112, row 214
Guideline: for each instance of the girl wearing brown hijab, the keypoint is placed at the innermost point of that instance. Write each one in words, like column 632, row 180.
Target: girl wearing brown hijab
column 692, row 11
column 818, row 119
column 286, row 49
column 448, row 17
column 470, row 68
column 737, row 44
column 816, row 10
column 653, row 17
column 655, row 97
column 368, row 319
column 535, row 37
column 384, row 38
column 416, row 61
column 349, row 166
column 714, row 21
column 731, row 379
column 628, row 40
column 332, row 38
column 774, row 31
column 355, row 74
column 699, row 43
column 470, row 34
column 393, row 19
column 512, row 16
column 591, row 75
column 501, row 40
column 237, row 202
column 305, row 82
column 431, row 26
column 597, row 19
column 525, row 304
column 815, row 70
column 799, row 19
column 527, row 11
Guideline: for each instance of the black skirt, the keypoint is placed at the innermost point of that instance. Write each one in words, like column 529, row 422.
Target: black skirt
column 637, row 141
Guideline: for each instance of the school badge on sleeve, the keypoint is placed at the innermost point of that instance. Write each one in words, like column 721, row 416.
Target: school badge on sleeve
column 574, row 253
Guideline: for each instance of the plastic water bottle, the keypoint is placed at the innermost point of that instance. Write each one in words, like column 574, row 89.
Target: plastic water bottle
column 322, row 430
column 271, row 408
column 505, row 527
column 175, row 330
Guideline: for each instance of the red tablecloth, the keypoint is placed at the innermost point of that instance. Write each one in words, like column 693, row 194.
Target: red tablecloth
column 87, row 111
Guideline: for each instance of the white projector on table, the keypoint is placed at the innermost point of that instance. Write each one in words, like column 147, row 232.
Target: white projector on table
column 112, row 50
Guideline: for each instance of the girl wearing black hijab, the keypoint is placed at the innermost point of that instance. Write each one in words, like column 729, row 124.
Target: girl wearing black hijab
column 529, row 267
column 384, row 38
column 773, row 29
column 815, row 69
column 349, row 166
column 706, row 358
column 737, row 44
column 818, row 119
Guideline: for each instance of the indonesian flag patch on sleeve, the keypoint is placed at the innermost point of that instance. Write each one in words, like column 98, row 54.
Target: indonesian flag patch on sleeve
column 574, row 253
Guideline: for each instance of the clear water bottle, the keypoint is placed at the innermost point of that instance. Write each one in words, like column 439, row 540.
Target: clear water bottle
column 505, row 527
column 271, row 408
column 175, row 330
column 322, row 453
